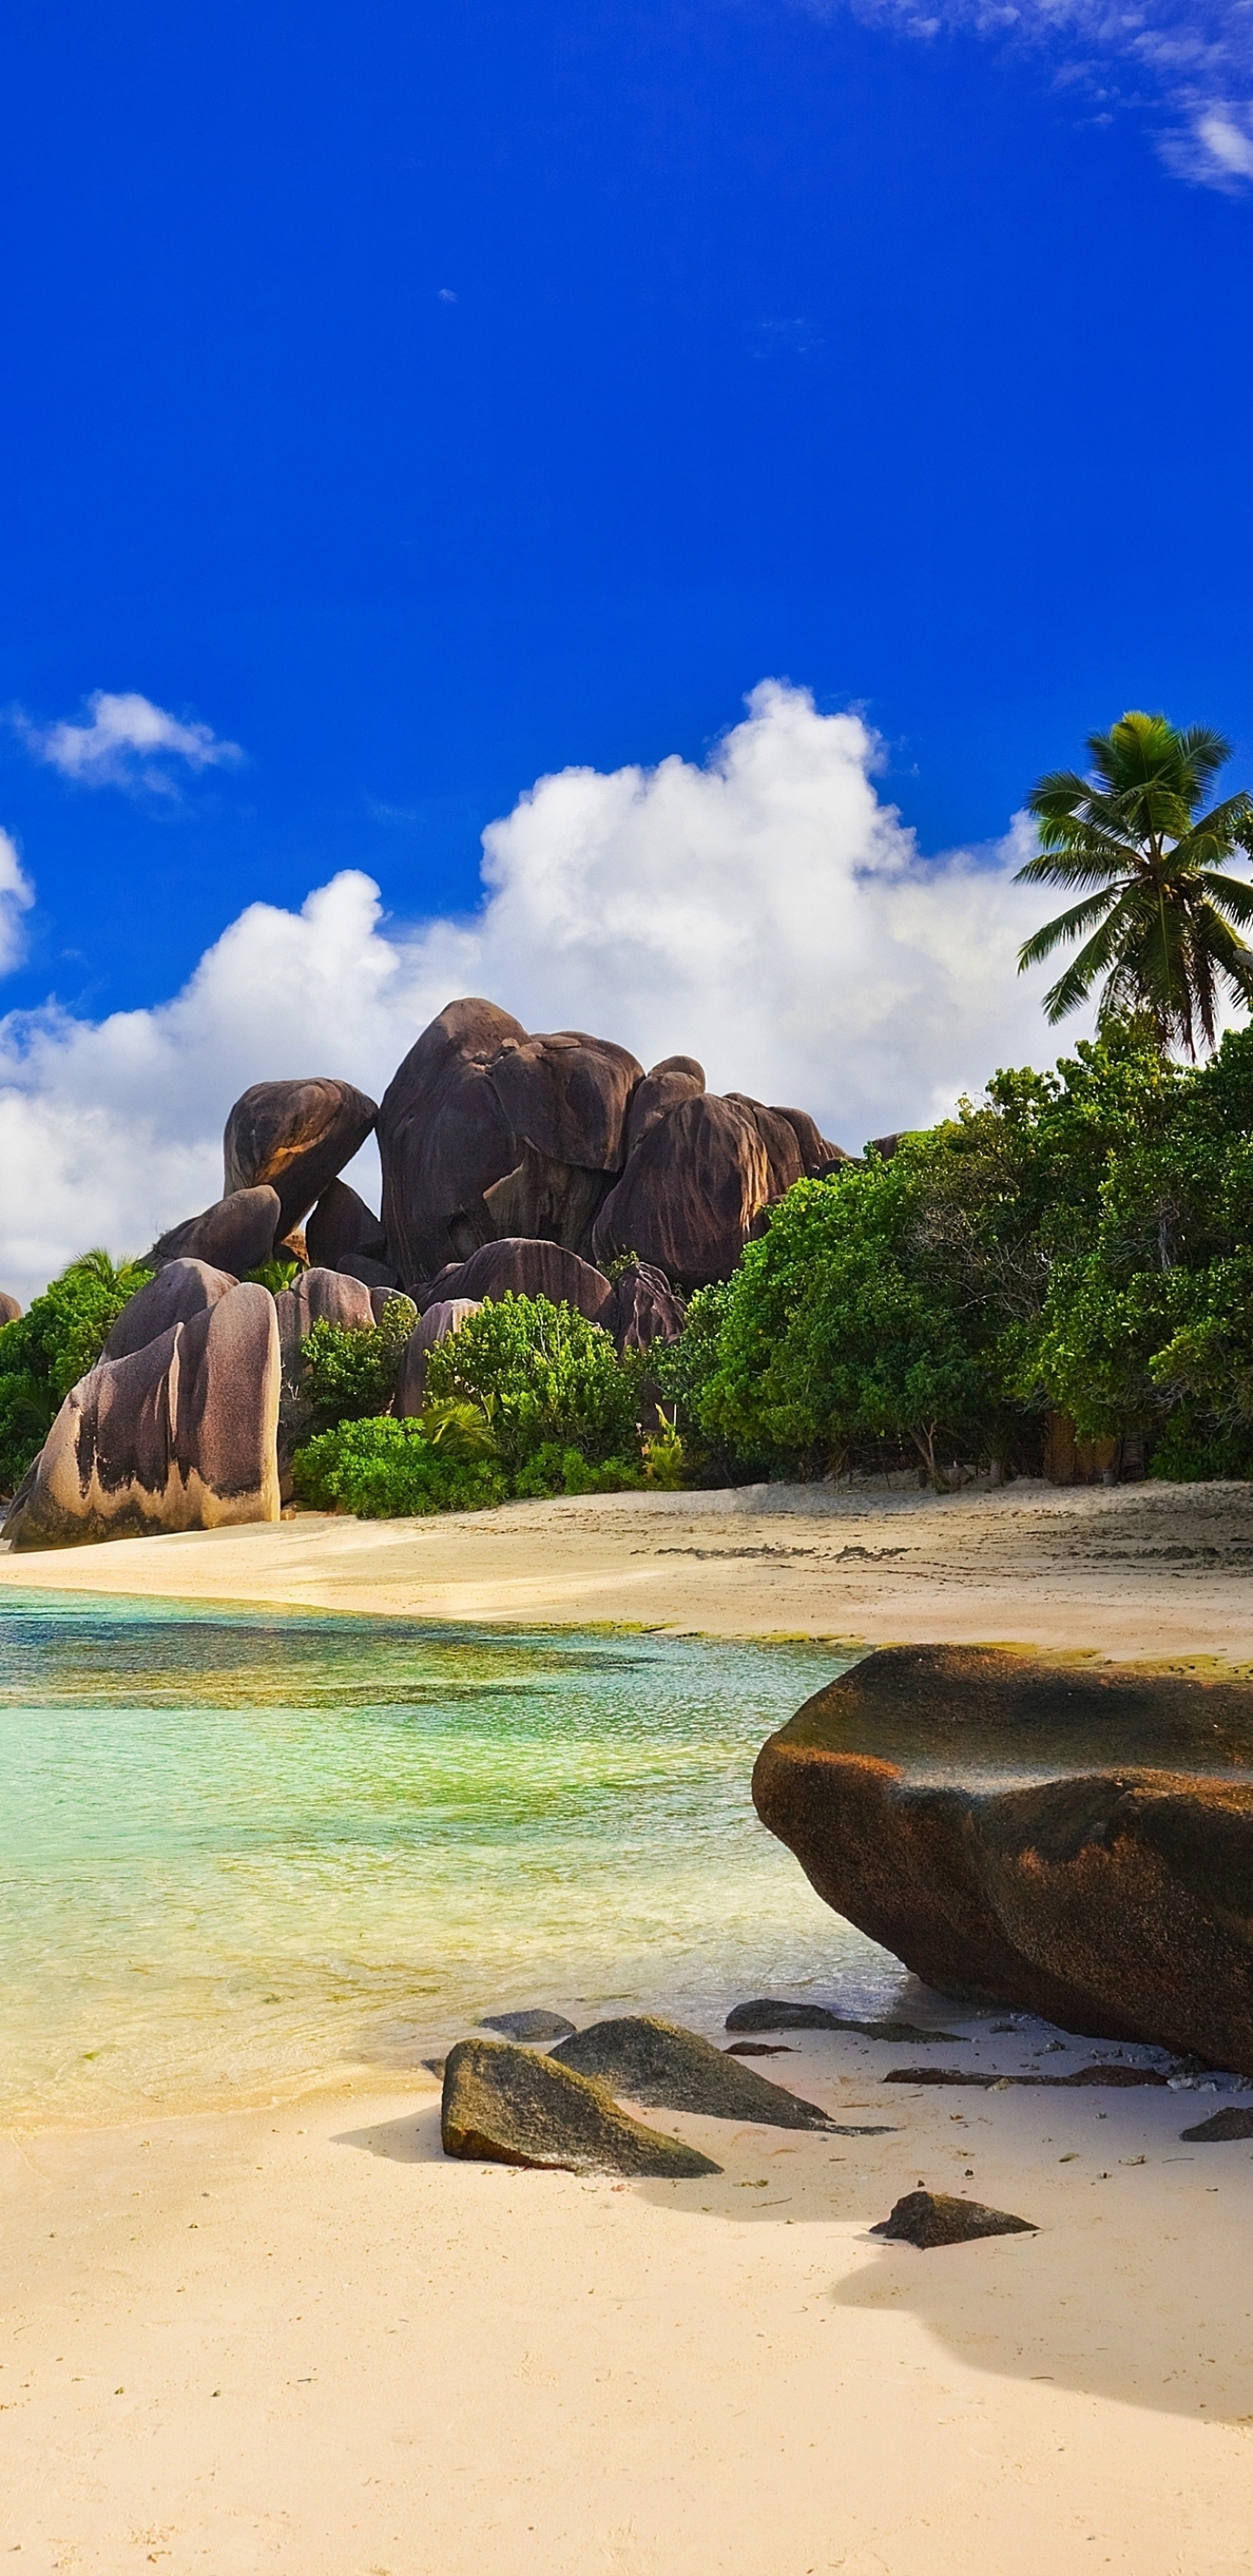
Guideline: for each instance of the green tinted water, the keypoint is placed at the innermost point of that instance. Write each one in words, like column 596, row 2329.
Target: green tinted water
column 241, row 1851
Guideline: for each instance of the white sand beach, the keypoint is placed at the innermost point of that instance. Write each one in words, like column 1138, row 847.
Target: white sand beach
column 1141, row 1570
column 302, row 2339
column 298, row 2337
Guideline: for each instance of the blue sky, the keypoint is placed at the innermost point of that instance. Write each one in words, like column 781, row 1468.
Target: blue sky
column 424, row 399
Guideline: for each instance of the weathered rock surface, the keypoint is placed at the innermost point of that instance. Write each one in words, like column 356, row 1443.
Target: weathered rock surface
column 10, row 1307
column 558, row 1201
column 930, row 2218
column 179, row 1435
column 444, row 1138
column 766, row 2015
column 646, row 1309
column 371, row 1272
column 526, row 1269
column 236, row 1234
column 506, row 2106
column 664, row 1087
column 1111, row 1892
column 180, row 1290
column 1221, row 2128
column 342, row 1223
column 668, row 2068
column 297, row 1136
column 432, row 1327
column 528, row 2025
column 568, row 1096
column 690, row 1194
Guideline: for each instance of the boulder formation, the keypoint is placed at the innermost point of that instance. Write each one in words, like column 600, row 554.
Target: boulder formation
column 181, row 1289
column 342, row 1223
column 691, row 1192
column 1076, row 1843
column 298, row 1137
column 180, row 1434
column 505, row 2106
column 524, row 1268
column 444, row 1138
column 486, row 1133
column 237, row 1233
column 10, row 1307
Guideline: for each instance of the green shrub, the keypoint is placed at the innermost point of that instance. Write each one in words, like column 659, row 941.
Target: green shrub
column 541, row 1375
column 45, row 1352
column 348, row 1372
column 386, row 1470
column 554, row 1470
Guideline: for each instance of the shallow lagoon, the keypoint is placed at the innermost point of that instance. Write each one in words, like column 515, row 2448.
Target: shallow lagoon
column 244, row 1851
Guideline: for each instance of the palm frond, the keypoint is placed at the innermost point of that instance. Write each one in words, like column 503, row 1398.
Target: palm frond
column 1067, row 925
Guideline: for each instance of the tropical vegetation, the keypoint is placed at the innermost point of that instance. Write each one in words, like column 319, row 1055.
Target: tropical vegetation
column 1158, row 915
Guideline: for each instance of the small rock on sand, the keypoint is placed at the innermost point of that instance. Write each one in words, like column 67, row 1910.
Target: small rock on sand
column 528, row 2025
column 1231, row 2123
column 672, row 2069
column 766, row 2014
column 930, row 2218
column 505, row 2106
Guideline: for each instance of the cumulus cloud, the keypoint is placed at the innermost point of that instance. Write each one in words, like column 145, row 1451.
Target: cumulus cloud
column 1188, row 64
column 125, row 741
column 766, row 912
column 16, row 896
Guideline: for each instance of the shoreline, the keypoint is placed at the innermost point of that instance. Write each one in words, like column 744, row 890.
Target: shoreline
column 1142, row 1571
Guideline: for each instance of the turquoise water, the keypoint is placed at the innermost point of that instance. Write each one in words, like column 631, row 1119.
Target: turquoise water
column 240, row 1851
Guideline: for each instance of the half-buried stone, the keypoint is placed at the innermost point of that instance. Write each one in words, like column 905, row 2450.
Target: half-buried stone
column 528, row 2025
column 667, row 2068
column 503, row 2105
column 1077, row 1842
column 930, row 2218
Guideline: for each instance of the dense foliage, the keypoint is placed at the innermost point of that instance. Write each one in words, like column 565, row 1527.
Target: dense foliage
column 349, row 1372
column 45, row 1352
column 542, row 1376
column 1079, row 1241
column 527, row 1400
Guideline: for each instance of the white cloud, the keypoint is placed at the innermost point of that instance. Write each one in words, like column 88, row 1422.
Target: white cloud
column 126, row 742
column 1189, row 60
column 16, row 896
column 766, row 913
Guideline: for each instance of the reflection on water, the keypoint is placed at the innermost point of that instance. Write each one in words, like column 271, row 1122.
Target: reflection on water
column 241, row 1849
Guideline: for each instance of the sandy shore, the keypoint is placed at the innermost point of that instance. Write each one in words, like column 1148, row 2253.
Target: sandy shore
column 1146, row 1570
column 300, row 2339
column 375, row 2362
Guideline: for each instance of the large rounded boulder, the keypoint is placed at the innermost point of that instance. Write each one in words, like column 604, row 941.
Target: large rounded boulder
column 341, row 1223
column 237, row 1233
column 10, row 1307
column 1076, row 1843
column 691, row 1192
column 298, row 1137
column 181, row 1434
column 444, row 1138
column 523, row 1268
column 180, row 1290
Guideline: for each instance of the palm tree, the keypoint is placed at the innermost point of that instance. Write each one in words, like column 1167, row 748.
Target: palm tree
column 1160, row 916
